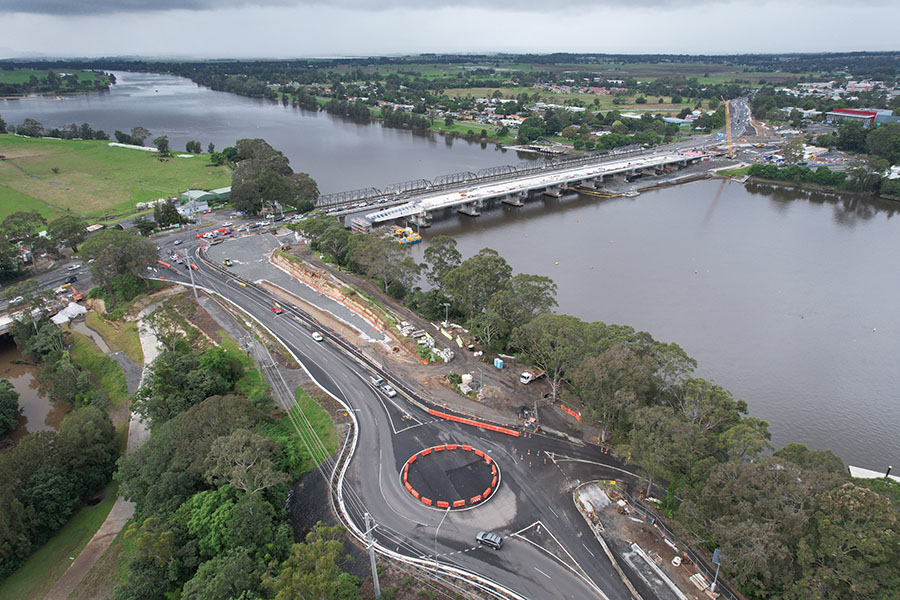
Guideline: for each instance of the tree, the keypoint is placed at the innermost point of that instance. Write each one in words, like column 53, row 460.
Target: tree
column 448, row 120
column 245, row 460
column 22, row 227
column 2, row 125
column 9, row 406
column 304, row 191
column 88, row 442
column 609, row 385
column 852, row 137
column 138, row 135
column 794, row 150
column 144, row 225
column 491, row 329
column 476, row 280
column 166, row 214
column 884, row 141
column 441, row 256
column 30, row 128
column 851, row 549
column 313, row 569
column 383, row 259
column 118, row 253
column 523, row 298
column 68, row 230
column 211, row 149
column 162, row 145
column 757, row 513
column 225, row 577
column 555, row 343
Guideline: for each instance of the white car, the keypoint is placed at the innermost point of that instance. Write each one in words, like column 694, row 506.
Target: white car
column 74, row 267
column 16, row 300
column 317, row 336
column 227, row 224
column 388, row 390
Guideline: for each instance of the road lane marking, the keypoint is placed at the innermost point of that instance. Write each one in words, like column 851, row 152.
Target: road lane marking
column 553, row 511
column 589, row 550
column 542, row 573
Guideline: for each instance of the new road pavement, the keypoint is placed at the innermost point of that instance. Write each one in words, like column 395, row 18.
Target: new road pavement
column 548, row 551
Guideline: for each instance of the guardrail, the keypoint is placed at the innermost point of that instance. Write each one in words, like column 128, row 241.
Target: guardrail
column 411, row 396
column 344, row 199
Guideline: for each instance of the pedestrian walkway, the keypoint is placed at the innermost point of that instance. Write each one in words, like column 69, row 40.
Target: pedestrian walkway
column 138, row 434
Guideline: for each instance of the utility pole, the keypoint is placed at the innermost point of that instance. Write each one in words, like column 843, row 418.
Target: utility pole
column 187, row 256
column 446, row 313
column 447, row 512
column 371, row 543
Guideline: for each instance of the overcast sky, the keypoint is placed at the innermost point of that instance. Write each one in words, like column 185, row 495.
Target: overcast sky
column 304, row 28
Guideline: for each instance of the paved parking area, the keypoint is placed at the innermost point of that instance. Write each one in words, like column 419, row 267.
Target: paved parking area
column 249, row 255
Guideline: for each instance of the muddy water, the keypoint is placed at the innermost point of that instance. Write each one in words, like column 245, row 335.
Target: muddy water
column 36, row 411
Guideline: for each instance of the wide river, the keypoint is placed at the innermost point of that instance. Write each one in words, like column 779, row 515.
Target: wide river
column 787, row 299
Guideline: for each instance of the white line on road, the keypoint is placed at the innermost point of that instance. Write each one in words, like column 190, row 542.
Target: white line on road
column 553, row 511
column 542, row 573
column 589, row 550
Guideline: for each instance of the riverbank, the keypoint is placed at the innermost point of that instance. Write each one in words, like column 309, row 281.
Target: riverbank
column 743, row 176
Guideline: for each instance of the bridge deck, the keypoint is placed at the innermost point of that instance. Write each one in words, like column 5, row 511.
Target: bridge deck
column 527, row 183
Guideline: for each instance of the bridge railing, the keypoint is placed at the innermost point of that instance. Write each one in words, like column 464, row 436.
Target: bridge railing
column 455, row 180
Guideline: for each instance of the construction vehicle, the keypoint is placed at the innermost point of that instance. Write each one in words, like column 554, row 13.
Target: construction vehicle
column 76, row 295
column 528, row 376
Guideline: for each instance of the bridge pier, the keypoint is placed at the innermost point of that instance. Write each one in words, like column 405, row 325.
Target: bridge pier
column 553, row 191
column 469, row 208
column 513, row 200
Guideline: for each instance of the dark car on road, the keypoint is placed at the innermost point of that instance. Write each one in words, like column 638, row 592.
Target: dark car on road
column 491, row 540
column 71, row 279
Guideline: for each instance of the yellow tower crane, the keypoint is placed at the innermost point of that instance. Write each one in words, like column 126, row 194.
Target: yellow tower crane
column 728, row 128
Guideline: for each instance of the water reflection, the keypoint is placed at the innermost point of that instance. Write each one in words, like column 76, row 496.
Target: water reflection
column 848, row 208
column 36, row 411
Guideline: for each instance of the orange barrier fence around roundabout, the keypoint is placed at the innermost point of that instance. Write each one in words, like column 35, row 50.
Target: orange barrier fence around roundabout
column 451, row 503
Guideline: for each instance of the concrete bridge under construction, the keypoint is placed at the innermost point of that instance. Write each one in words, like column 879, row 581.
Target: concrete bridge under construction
column 469, row 194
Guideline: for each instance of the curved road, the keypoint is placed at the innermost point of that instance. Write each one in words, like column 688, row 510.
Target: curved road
column 549, row 552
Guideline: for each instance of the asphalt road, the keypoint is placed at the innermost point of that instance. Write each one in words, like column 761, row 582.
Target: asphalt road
column 549, row 552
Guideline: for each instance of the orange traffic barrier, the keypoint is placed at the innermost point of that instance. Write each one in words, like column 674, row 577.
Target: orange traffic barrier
column 414, row 493
column 451, row 446
column 425, row 452
column 487, row 459
column 571, row 412
column 409, row 488
column 426, row 501
column 474, row 423
column 487, row 493
column 494, row 482
column 467, row 448
column 413, row 459
column 475, row 500
column 479, row 453
column 442, row 504
column 459, row 503
column 438, row 448
column 493, row 469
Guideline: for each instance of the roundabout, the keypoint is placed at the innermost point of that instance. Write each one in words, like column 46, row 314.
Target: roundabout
column 450, row 477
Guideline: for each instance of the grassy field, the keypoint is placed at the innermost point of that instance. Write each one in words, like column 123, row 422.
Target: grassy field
column 604, row 101
column 43, row 568
column 119, row 335
column 305, row 410
column 23, row 75
column 105, row 371
column 93, row 178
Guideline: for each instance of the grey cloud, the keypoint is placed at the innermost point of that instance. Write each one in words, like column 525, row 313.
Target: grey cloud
column 105, row 7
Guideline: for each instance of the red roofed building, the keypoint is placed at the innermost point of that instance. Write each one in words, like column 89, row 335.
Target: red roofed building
column 866, row 117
